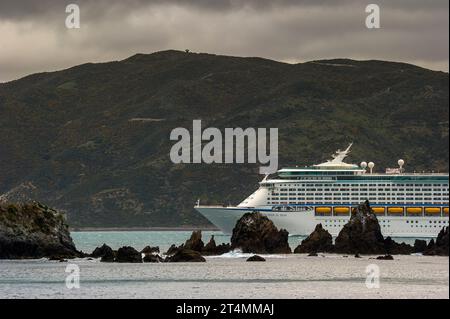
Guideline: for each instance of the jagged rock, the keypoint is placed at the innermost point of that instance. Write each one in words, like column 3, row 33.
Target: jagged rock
column 385, row 257
column 420, row 246
column 362, row 234
column 430, row 246
column 101, row 251
column 211, row 246
column 185, row 255
column 195, row 242
column 172, row 250
column 440, row 247
column 150, row 250
column 152, row 258
column 109, row 257
column 394, row 248
column 212, row 249
column 105, row 253
column 255, row 258
column 357, row 256
column 33, row 230
column 128, row 254
column 255, row 233
column 320, row 240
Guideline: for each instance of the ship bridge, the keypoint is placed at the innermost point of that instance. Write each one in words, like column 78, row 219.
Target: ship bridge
column 335, row 166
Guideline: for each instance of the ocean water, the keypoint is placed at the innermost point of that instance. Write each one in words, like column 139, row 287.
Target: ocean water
column 89, row 240
column 225, row 276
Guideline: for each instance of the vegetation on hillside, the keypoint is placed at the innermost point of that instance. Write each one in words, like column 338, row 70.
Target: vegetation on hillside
column 93, row 140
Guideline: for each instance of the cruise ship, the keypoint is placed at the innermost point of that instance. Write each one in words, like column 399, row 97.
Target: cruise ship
column 297, row 199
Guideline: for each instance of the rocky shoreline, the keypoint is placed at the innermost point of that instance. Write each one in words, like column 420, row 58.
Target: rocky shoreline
column 34, row 230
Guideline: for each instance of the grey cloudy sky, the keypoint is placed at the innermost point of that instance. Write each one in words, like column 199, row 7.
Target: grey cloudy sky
column 33, row 36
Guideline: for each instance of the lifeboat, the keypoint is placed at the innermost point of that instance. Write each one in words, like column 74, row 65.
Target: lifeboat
column 341, row 210
column 323, row 210
column 414, row 210
column 379, row 210
column 433, row 211
column 445, row 210
column 395, row 210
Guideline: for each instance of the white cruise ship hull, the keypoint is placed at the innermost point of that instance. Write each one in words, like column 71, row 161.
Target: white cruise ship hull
column 302, row 223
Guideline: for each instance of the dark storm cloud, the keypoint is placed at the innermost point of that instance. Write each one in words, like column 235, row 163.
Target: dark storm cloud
column 33, row 37
column 22, row 8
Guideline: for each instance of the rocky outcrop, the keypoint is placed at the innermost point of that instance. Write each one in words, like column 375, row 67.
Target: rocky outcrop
column 320, row 240
column 150, row 250
column 394, row 248
column 440, row 247
column 33, row 230
column 195, row 242
column 255, row 258
column 385, row 257
column 362, row 234
column 151, row 255
column 211, row 248
column 185, row 255
column 128, row 254
column 152, row 258
column 172, row 250
column 255, row 233
column 101, row 251
column 420, row 246
column 105, row 253
column 109, row 257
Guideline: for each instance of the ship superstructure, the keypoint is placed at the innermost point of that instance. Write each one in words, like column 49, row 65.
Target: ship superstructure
column 406, row 204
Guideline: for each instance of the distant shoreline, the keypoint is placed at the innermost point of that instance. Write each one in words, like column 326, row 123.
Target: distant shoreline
column 185, row 228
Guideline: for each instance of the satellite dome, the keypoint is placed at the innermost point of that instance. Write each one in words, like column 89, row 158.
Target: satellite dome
column 364, row 165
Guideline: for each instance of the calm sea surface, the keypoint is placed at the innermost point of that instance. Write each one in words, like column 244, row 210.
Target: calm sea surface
column 226, row 276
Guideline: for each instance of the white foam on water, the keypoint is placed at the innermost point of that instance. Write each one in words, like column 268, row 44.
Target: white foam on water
column 237, row 253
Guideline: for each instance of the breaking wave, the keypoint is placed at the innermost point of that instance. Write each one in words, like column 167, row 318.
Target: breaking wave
column 237, row 253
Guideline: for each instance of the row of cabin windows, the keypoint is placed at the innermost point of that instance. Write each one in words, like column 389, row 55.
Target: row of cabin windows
column 396, row 186
column 342, row 189
column 408, row 195
column 358, row 199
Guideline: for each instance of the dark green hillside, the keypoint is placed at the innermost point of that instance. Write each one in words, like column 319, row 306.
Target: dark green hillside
column 94, row 139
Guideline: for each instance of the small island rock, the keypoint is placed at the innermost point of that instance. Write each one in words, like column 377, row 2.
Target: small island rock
column 185, row 255
column 320, row 240
column 362, row 234
column 128, row 254
column 255, row 233
column 255, row 258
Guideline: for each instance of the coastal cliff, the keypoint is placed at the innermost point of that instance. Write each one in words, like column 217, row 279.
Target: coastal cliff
column 33, row 230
